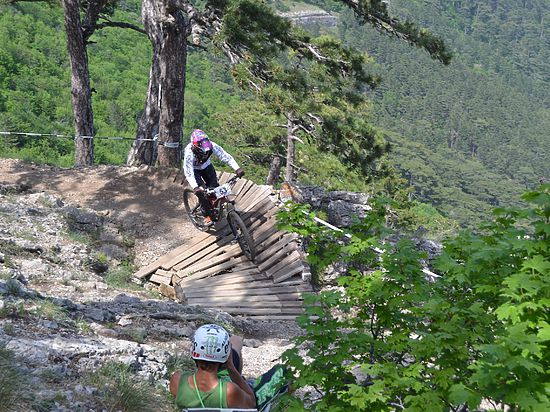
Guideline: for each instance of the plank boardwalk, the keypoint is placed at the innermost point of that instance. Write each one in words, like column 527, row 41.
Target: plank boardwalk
column 212, row 271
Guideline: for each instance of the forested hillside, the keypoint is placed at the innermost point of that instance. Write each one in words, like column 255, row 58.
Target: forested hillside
column 480, row 125
column 466, row 136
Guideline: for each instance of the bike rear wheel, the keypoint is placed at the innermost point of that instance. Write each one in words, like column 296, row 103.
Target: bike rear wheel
column 241, row 233
column 193, row 209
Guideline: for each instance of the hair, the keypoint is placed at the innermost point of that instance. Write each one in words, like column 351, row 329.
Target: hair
column 208, row 365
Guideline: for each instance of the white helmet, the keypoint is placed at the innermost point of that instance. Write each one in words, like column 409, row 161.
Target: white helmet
column 211, row 343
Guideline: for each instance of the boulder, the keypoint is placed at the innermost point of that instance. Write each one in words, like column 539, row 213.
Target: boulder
column 341, row 207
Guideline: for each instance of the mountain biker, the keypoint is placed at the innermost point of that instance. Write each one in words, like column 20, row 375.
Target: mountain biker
column 200, row 172
column 210, row 386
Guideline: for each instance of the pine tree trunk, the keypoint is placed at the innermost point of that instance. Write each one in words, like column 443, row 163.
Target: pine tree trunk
column 80, row 85
column 274, row 171
column 145, row 152
column 290, row 153
column 172, row 61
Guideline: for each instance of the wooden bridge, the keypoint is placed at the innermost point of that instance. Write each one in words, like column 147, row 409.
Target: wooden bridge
column 212, row 271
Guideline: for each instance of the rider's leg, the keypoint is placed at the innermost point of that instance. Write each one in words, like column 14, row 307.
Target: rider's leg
column 203, row 200
column 209, row 176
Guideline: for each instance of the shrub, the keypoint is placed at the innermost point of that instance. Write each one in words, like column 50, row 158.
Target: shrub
column 391, row 339
column 13, row 384
column 122, row 391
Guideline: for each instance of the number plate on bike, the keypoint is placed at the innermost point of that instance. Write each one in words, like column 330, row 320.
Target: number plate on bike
column 222, row 191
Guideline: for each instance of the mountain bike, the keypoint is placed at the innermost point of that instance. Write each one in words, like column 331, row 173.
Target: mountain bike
column 221, row 207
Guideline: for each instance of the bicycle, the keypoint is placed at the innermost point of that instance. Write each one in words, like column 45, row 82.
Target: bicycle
column 221, row 207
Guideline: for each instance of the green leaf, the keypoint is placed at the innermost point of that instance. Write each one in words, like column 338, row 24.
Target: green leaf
column 544, row 331
column 460, row 394
column 538, row 263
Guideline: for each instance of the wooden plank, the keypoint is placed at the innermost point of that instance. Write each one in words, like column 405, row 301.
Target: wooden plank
column 263, row 288
column 258, row 230
column 293, row 257
column 242, row 281
column 259, row 218
column 146, row 270
column 288, row 272
column 247, row 304
column 230, row 252
column 264, row 234
column 165, row 273
column 195, row 257
column 277, row 256
column 238, row 186
column 263, row 250
column 274, row 243
column 246, row 266
column 231, row 287
column 262, row 209
column 244, row 189
column 260, row 195
column 216, row 269
column 247, row 201
column 274, row 317
column 224, row 177
column 161, row 279
column 225, row 279
column 261, row 311
column 168, row 260
column 204, row 253
column 268, row 299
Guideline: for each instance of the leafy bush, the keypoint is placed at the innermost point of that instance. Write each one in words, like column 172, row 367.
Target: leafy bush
column 390, row 338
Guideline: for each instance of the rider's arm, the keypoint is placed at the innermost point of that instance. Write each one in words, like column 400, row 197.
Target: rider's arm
column 224, row 156
column 239, row 395
column 175, row 383
column 188, row 169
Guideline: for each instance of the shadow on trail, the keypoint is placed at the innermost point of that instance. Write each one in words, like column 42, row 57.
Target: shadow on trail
column 148, row 195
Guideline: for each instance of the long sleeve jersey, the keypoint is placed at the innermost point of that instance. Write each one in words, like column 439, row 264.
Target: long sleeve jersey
column 190, row 163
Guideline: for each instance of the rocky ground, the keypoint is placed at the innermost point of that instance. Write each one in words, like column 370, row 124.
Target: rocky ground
column 75, row 329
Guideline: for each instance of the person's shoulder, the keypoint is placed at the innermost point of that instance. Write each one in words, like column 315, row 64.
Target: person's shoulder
column 232, row 387
column 176, row 379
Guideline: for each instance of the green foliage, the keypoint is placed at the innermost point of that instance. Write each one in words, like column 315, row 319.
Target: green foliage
column 485, row 115
column 123, row 391
column 179, row 362
column 472, row 135
column 481, row 331
column 120, row 277
column 13, row 381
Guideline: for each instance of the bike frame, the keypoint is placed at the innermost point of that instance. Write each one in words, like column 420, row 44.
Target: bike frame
column 220, row 205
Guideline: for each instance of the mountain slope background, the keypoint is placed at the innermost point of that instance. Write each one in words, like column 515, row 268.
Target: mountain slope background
column 466, row 137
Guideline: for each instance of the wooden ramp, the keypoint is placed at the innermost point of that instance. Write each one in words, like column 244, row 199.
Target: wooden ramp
column 212, row 271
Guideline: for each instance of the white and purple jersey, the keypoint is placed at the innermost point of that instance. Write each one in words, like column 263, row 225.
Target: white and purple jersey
column 191, row 163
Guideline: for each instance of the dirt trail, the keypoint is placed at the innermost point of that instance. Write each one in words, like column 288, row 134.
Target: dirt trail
column 145, row 202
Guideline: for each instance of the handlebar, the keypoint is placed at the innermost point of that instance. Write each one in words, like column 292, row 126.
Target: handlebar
column 231, row 182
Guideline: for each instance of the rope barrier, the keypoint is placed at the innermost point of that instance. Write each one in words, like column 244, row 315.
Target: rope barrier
column 170, row 145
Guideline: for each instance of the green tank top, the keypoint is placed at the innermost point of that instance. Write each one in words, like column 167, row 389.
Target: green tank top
column 187, row 396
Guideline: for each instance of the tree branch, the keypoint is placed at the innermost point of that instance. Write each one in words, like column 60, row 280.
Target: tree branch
column 120, row 24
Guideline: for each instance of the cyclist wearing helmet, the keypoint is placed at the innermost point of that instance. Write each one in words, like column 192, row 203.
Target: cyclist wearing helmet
column 199, row 170
column 207, row 387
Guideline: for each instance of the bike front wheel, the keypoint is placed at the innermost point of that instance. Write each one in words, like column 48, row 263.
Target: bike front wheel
column 241, row 233
column 193, row 209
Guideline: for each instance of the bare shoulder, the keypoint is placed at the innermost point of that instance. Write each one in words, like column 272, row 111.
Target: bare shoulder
column 237, row 398
column 175, row 383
